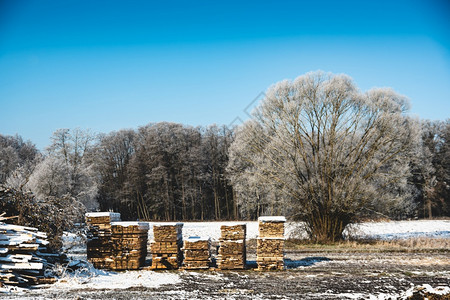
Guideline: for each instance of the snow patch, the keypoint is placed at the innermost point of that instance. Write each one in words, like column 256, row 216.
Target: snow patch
column 193, row 239
column 104, row 214
column 401, row 229
column 272, row 219
column 116, row 280
column 143, row 225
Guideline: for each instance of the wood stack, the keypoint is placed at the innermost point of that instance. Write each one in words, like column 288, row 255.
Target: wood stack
column 197, row 254
column 270, row 243
column 99, row 238
column 129, row 245
column 116, row 245
column 232, row 253
column 166, row 248
column 22, row 255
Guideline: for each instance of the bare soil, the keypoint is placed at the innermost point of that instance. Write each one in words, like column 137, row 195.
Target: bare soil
column 309, row 274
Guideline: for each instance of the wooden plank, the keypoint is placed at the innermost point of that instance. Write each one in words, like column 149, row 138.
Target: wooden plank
column 22, row 266
column 16, row 258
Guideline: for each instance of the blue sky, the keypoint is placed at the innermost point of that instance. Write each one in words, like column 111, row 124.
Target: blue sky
column 108, row 65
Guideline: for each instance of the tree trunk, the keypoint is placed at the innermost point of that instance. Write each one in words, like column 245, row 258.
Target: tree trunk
column 325, row 228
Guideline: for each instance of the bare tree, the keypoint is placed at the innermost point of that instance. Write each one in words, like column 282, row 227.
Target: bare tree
column 432, row 169
column 330, row 149
column 113, row 155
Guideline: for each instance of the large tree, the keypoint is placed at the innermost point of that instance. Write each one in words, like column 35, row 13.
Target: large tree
column 68, row 168
column 325, row 149
column 17, row 160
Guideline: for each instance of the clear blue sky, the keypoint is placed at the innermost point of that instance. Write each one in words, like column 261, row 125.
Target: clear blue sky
column 108, row 65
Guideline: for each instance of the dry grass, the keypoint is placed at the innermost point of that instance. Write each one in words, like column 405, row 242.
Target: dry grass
column 372, row 245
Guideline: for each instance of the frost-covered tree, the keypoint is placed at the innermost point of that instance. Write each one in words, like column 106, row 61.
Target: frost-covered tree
column 68, row 168
column 51, row 178
column 432, row 170
column 17, row 160
column 333, row 151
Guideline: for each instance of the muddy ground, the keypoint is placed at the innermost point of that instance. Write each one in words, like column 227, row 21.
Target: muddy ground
column 309, row 275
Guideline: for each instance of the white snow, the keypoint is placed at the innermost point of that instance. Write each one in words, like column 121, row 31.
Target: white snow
column 104, row 214
column 193, row 239
column 377, row 230
column 168, row 224
column 115, row 280
column 426, row 288
column 143, row 225
column 272, row 219
column 401, row 229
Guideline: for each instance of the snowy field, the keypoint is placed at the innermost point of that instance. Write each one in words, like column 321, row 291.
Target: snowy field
column 376, row 230
column 310, row 275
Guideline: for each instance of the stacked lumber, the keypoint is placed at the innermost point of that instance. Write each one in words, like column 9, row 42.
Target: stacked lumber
column 116, row 245
column 22, row 255
column 197, row 254
column 129, row 245
column 99, row 238
column 166, row 247
column 232, row 253
column 270, row 243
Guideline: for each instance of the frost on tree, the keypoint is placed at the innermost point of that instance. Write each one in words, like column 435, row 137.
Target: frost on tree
column 324, row 152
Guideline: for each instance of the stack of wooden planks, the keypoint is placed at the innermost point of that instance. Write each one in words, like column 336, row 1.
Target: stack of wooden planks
column 232, row 252
column 116, row 245
column 129, row 242
column 270, row 243
column 166, row 247
column 22, row 255
column 197, row 254
column 99, row 238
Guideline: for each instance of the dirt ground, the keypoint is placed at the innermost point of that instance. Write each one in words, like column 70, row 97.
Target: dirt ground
column 308, row 275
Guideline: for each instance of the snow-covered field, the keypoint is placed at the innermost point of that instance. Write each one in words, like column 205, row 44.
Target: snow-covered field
column 402, row 229
column 376, row 230
column 315, row 271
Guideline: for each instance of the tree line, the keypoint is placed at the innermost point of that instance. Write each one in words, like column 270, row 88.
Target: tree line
column 168, row 171
column 163, row 171
column 316, row 149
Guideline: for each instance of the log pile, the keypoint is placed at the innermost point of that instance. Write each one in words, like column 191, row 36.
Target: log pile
column 270, row 243
column 22, row 255
column 166, row 248
column 129, row 242
column 116, row 245
column 197, row 254
column 99, row 241
column 232, row 253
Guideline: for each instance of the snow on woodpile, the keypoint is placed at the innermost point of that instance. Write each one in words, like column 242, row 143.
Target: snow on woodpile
column 166, row 247
column 272, row 219
column 116, row 245
column 197, row 253
column 22, row 255
column 232, row 252
column 270, row 243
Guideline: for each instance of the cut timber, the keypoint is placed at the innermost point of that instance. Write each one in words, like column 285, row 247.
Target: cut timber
column 22, row 266
column 116, row 245
column 22, row 254
column 233, row 232
column 168, row 232
column 270, row 243
column 271, row 227
column 166, row 247
column 197, row 254
column 232, row 249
